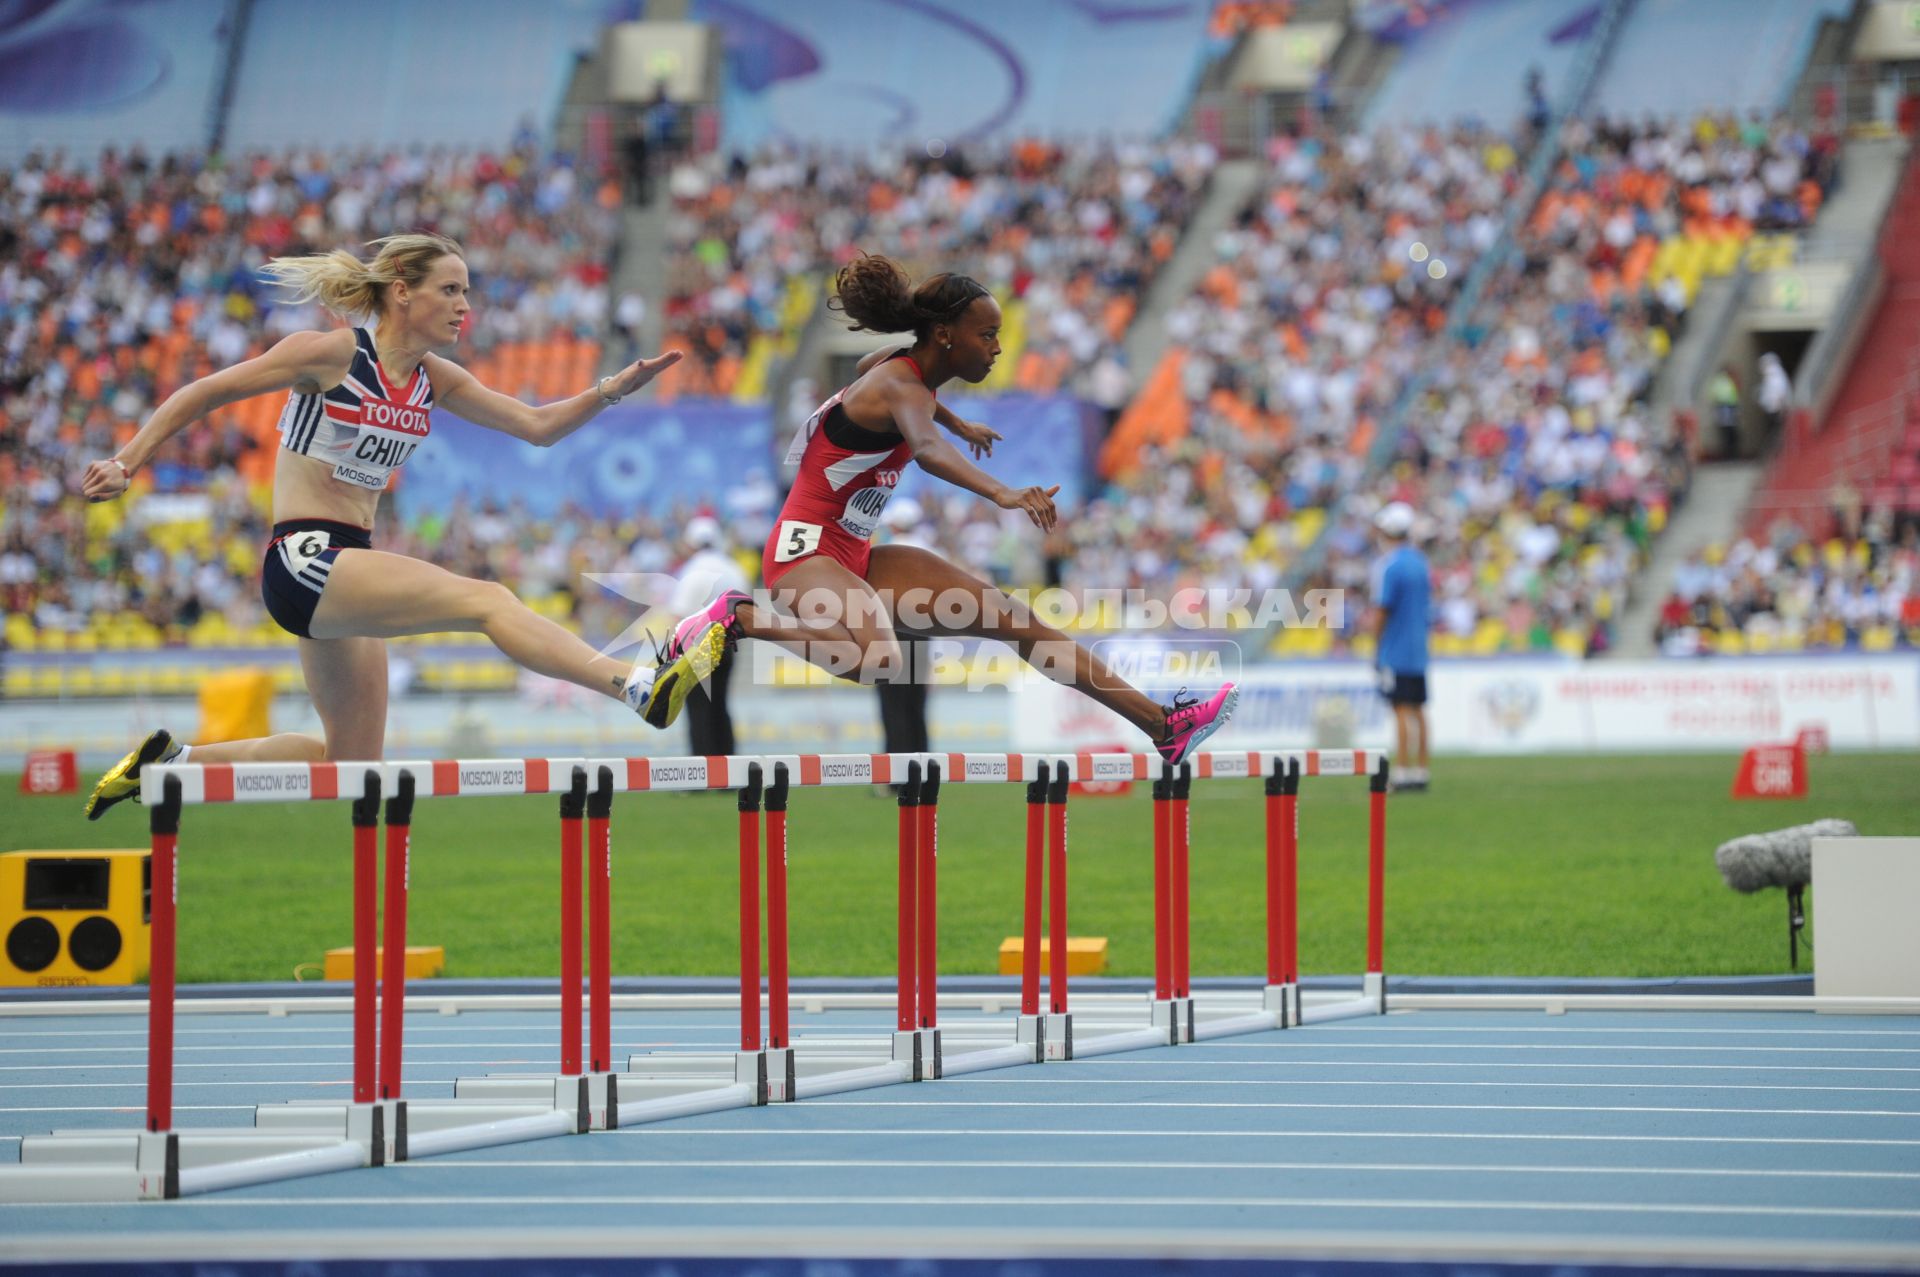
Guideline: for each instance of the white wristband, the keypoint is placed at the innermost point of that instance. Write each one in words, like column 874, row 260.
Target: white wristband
column 125, row 473
column 600, row 388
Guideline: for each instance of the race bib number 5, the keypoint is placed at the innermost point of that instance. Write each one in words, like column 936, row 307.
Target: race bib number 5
column 796, row 541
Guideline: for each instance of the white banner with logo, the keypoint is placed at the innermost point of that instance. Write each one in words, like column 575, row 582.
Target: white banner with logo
column 1537, row 706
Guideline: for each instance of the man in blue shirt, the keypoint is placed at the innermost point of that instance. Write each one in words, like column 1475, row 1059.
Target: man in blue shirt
column 1402, row 596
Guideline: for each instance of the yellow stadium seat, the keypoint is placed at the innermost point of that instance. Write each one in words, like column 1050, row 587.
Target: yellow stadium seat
column 18, row 682
column 1878, row 638
column 1723, row 256
column 1013, row 341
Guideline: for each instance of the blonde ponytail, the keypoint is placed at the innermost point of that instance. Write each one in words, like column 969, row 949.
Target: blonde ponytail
column 353, row 289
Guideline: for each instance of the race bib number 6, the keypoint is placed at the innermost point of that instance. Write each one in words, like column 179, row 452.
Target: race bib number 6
column 304, row 547
column 796, row 541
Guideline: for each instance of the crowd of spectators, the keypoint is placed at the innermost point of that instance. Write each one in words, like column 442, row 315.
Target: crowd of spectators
column 1325, row 320
column 1858, row 587
column 1072, row 234
column 124, row 277
column 1529, row 448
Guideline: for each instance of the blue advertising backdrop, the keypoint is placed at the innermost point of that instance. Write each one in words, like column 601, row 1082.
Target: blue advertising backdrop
column 650, row 457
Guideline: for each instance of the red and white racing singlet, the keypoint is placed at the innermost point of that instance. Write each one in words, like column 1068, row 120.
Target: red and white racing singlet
column 847, row 474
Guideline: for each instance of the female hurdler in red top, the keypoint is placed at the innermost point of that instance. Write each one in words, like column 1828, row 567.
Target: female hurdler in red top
column 836, row 598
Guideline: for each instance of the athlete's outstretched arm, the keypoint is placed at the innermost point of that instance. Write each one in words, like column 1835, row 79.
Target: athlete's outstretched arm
column 976, row 436
column 912, row 407
column 460, row 391
column 314, row 358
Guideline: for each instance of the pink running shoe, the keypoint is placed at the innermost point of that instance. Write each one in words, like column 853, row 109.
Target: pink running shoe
column 1190, row 721
column 699, row 645
column 722, row 612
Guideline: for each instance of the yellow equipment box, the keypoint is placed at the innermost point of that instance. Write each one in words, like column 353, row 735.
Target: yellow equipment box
column 423, row 962
column 1086, row 955
column 74, row 917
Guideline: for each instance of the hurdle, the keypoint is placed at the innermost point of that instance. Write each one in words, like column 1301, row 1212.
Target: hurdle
column 381, row 1125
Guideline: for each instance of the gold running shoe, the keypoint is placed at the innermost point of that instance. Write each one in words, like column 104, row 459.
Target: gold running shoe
column 698, row 657
column 122, row 780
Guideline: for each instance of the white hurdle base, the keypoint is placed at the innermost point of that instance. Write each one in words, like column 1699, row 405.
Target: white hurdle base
column 122, row 1166
column 769, row 1071
column 1175, row 1015
column 562, row 1090
column 919, row 1048
column 1372, row 1001
column 1056, row 1035
column 1284, row 1001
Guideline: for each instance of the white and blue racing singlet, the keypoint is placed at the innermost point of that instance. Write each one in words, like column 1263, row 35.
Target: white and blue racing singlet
column 366, row 427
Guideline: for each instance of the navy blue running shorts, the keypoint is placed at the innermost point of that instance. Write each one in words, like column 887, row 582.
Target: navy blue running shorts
column 299, row 557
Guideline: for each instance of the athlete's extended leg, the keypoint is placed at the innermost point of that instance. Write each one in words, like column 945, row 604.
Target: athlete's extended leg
column 898, row 570
column 827, row 615
column 373, row 594
column 347, row 679
column 1176, row 730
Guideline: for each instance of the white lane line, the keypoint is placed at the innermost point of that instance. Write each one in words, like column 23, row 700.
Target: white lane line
column 1791, row 1024
column 1406, row 1083
column 1446, row 1168
column 424, row 1021
column 1071, row 1132
column 130, row 1109
column 1288, row 1041
column 142, row 1086
column 344, row 1062
column 334, row 1067
column 1105, row 1061
column 184, row 1048
column 472, row 1201
column 1285, row 1104
column 1275, row 1047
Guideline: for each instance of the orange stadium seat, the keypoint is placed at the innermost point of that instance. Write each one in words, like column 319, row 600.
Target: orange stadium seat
column 1159, row 414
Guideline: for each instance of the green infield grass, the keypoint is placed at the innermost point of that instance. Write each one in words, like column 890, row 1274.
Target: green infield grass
column 1561, row 866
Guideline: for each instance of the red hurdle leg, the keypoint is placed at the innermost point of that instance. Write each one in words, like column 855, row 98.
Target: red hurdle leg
column 1030, row 940
column 1162, row 887
column 777, row 1035
column 1377, row 871
column 163, row 823
column 927, row 877
column 1178, row 831
column 1057, row 892
column 906, row 1004
column 572, row 808
column 750, row 911
column 366, row 904
column 1289, row 886
column 393, row 985
column 600, row 920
